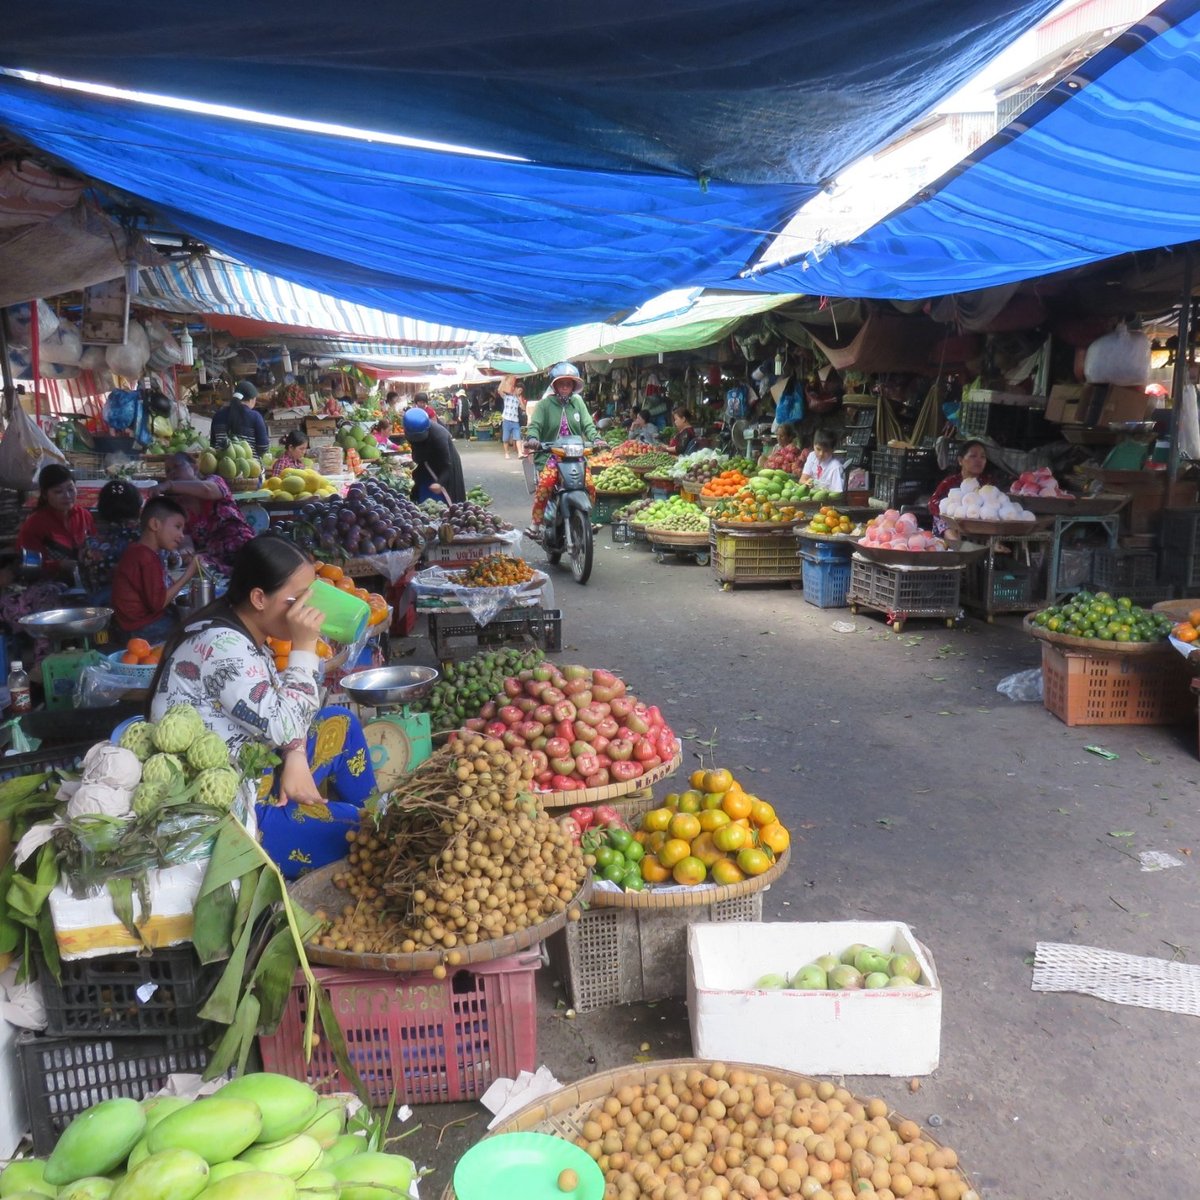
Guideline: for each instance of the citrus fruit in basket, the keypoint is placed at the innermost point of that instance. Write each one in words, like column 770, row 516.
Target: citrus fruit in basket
column 1105, row 618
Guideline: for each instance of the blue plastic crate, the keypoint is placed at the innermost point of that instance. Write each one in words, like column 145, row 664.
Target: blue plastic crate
column 826, row 583
column 828, row 551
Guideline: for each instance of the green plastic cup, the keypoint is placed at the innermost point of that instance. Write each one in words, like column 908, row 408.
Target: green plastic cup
column 346, row 616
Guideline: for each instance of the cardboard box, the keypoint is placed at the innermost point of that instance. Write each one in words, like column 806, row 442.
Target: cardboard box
column 1009, row 399
column 889, row 1031
column 320, row 426
column 1063, row 405
column 86, row 927
column 1125, row 404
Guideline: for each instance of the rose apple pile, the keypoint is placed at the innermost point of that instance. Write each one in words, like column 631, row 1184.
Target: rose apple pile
column 714, row 832
column 582, row 727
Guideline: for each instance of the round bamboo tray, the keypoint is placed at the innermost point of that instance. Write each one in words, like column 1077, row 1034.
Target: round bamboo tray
column 809, row 536
column 633, row 495
column 1095, row 645
column 757, row 526
column 700, row 896
column 316, row 890
column 564, row 1112
column 662, row 481
column 995, row 528
column 611, row 791
column 676, row 537
column 1177, row 610
column 1082, row 506
column 945, row 560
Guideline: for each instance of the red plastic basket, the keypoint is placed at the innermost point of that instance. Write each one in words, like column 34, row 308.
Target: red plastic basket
column 430, row 1041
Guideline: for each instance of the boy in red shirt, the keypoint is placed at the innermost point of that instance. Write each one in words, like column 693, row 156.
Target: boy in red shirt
column 141, row 589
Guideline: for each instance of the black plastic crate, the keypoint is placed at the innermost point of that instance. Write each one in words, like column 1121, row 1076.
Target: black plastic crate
column 65, row 1076
column 45, row 758
column 858, row 437
column 1180, row 531
column 1018, row 426
column 860, row 416
column 450, row 632
column 893, row 493
column 127, row 995
column 905, row 464
column 1124, row 571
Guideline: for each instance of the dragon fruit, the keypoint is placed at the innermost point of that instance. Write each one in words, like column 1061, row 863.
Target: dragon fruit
column 178, row 729
column 139, row 738
column 208, row 753
column 217, row 787
column 162, row 768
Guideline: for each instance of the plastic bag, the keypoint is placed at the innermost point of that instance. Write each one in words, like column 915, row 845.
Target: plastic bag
column 482, row 603
column 1023, row 687
column 1189, row 424
column 24, row 451
column 165, row 351
column 20, row 324
column 129, row 359
column 1121, row 357
column 64, row 346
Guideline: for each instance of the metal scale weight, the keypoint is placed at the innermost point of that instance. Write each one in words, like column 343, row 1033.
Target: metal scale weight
column 399, row 739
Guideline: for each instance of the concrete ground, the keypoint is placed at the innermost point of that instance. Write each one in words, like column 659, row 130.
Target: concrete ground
column 915, row 792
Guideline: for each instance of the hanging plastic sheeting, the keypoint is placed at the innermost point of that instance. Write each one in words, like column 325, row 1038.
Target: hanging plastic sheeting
column 744, row 90
column 443, row 237
column 1103, row 164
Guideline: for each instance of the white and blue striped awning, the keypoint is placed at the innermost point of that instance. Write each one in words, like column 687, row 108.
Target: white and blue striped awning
column 318, row 323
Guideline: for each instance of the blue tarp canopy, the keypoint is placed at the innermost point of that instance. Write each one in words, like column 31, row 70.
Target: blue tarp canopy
column 787, row 91
column 1106, row 163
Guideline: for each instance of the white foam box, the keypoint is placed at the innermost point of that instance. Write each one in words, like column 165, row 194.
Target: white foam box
column 885, row 1031
column 86, row 927
column 14, row 1114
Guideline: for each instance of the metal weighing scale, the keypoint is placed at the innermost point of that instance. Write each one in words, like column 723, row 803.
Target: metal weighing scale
column 62, row 668
column 399, row 739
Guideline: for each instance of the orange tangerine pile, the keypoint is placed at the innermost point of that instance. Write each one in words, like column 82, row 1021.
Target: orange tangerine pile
column 280, row 649
column 728, row 483
column 1189, row 630
column 139, row 652
column 340, row 580
column 714, row 831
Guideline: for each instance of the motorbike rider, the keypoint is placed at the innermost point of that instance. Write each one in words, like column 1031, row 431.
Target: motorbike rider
column 561, row 413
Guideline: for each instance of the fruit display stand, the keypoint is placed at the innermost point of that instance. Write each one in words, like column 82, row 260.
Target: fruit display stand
column 1011, row 576
column 607, row 503
column 675, row 543
column 631, row 946
column 755, row 554
column 566, row 1112
column 1090, row 682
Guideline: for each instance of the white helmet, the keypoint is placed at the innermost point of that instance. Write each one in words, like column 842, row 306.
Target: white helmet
column 566, row 370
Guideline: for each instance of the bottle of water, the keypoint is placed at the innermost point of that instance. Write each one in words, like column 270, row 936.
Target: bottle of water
column 19, row 696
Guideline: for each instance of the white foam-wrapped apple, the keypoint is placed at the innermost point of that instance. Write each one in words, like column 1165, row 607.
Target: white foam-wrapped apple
column 969, row 501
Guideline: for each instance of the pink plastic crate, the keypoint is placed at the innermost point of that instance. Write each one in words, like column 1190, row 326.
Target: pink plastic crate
column 431, row 1041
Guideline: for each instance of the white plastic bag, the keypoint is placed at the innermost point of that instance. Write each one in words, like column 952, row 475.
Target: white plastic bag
column 129, row 359
column 64, row 346
column 165, row 351
column 1024, row 687
column 1121, row 358
column 20, row 323
column 1189, row 424
column 24, row 451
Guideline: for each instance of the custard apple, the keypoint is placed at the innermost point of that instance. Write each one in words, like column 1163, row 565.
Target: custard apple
column 147, row 797
column 139, row 738
column 162, row 768
column 208, row 752
column 178, row 729
column 217, row 787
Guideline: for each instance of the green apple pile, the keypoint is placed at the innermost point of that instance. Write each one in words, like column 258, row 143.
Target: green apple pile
column 654, row 512
column 617, row 479
column 858, row 966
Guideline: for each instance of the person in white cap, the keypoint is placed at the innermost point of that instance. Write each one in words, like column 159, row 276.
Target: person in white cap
column 462, row 413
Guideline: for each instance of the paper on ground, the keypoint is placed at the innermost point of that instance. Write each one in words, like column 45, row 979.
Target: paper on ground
column 506, row 1096
column 1118, row 978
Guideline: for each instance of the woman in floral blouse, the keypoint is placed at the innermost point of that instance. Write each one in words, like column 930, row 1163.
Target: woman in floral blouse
column 220, row 664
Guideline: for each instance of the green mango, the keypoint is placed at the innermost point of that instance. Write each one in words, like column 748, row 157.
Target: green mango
column 25, row 1175
column 97, row 1141
column 174, row 1174
column 217, row 1128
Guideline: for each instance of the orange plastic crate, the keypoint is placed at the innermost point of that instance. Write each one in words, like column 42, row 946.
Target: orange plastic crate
column 1082, row 688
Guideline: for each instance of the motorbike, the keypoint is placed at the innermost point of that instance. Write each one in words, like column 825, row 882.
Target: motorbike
column 567, row 521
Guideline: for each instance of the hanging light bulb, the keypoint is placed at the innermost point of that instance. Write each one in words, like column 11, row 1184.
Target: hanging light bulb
column 202, row 373
column 188, row 347
column 660, row 358
column 285, row 361
column 779, row 362
column 132, row 286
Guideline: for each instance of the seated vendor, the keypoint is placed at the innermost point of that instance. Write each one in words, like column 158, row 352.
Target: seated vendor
column 972, row 464
column 58, row 528
column 821, row 469
column 685, row 439
column 118, row 526
column 642, row 429
column 785, row 436
column 142, row 591
column 215, row 524
column 221, row 665
column 291, row 456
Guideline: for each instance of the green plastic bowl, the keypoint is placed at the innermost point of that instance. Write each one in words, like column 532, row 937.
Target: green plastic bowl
column 525, row 1166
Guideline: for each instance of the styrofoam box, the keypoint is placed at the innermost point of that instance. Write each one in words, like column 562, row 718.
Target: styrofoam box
column 885, row 1031
column 86, row 927
column 14, row 1114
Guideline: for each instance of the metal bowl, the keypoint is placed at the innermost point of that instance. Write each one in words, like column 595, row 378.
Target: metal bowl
column 67, row 622
column 390, row 685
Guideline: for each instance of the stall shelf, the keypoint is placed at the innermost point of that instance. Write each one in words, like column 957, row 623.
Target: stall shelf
column 990, row 587
column 1064, row 526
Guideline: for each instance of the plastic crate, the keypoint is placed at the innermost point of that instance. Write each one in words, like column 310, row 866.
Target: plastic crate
column 452, row 632
column 905, row 464
column 429, row 1041
column 101, row 995
column 462, row 553
column 64, row 1076
column 622, row 955
column 828, row 551
column 46, row 758
column 754, row 558
column 624, row 534
column 1116, row 571
column 1180, row 531
column 826, row 583
column 901, row 592
column 889, row 492
column 605, row 506
column 861, row 416
column 858, row 437
column 1011, row 588
column 1084, row 688
column 1018, row 426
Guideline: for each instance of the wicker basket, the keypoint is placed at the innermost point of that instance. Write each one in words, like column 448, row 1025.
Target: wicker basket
column 563, row 1113
column 696, row 897
column 244, row 485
